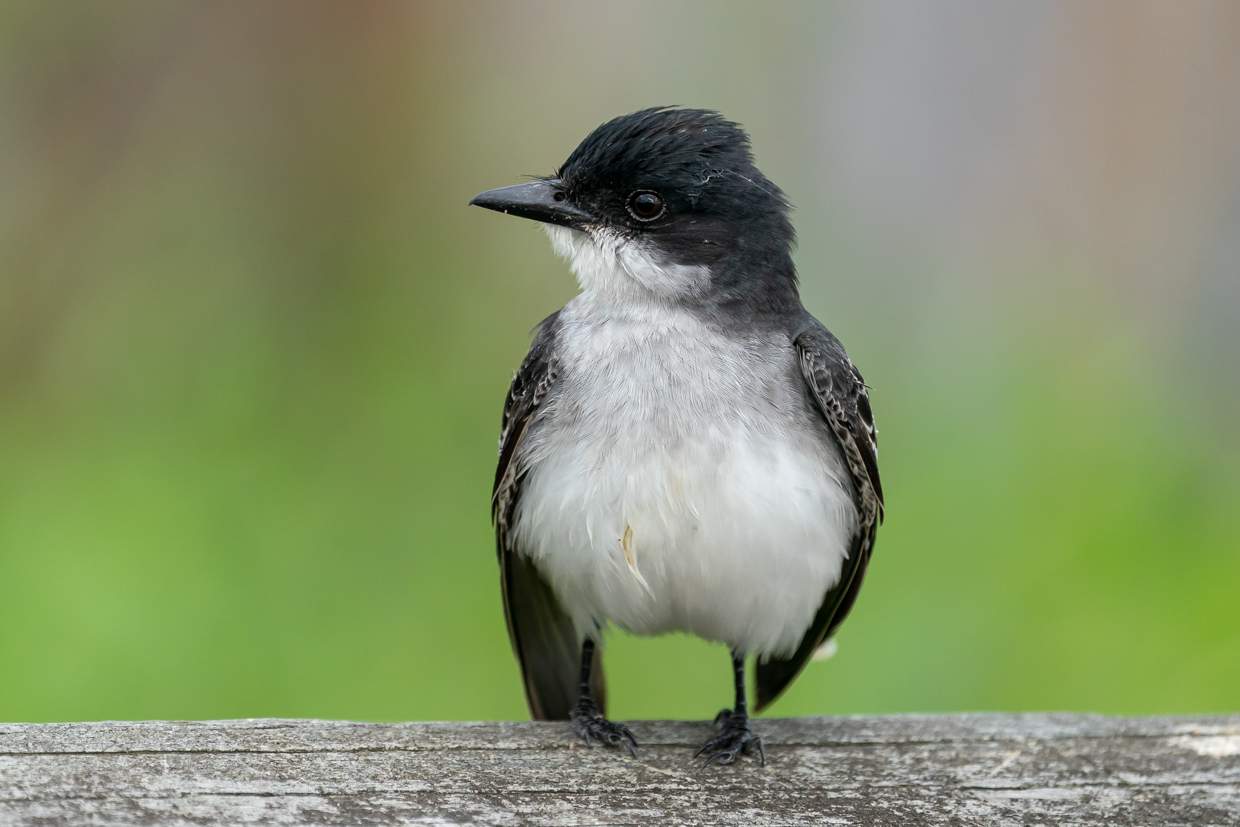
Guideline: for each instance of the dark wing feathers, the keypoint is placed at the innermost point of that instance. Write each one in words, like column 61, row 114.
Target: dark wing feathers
column 544, row 642
column 542, row 634
column 841, row 398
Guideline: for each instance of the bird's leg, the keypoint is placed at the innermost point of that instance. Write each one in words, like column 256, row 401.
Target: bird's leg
column 735, row 738
column 588, row 720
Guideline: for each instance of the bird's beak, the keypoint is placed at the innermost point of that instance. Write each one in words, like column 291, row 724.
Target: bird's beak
column 541, row 200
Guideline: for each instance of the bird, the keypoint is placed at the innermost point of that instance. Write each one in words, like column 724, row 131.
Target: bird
column 685, row 448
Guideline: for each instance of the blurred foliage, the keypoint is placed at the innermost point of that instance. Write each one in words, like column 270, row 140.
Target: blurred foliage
column 253, row 349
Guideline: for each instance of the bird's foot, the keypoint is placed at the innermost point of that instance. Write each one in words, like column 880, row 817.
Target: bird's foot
column 734, row 739
column 590, row 724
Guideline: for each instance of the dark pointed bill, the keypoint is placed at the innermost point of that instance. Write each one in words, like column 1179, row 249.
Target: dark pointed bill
column 539, row 200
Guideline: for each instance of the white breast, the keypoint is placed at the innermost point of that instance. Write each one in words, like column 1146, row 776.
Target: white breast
column 677, row 479
column 676, row 484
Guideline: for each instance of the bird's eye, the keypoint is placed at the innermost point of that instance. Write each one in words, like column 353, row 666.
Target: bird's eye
column 646, row 205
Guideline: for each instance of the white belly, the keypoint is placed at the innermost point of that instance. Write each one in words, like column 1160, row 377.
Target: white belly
column 678, row 482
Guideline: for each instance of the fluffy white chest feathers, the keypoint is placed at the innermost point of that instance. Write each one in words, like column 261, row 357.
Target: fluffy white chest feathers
column 677, row 477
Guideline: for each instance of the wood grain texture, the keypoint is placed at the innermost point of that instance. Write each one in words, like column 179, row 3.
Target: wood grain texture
column 908, row 770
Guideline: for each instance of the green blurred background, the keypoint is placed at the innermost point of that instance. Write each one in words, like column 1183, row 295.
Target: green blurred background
column 253, row 345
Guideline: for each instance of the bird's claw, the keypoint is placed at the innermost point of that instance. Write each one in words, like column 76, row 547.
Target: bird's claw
column 589, row 723
column 735, row 739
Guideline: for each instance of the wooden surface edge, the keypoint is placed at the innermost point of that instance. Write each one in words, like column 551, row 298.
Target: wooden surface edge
column 976, row 768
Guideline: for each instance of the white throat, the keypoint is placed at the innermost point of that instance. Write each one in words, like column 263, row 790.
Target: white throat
column 626, row 270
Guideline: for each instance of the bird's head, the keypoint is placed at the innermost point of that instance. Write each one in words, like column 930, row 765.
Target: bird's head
column 664, row 204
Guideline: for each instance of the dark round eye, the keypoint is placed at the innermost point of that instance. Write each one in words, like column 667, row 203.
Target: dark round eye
column 646, row 205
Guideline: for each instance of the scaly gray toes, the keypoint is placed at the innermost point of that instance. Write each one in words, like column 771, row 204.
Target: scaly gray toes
column 589, row 724
column 735, row 739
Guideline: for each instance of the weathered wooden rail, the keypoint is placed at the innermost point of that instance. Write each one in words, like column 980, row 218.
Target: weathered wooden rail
column 908, row 770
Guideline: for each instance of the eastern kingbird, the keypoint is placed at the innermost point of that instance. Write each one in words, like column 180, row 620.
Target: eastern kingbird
column 685, row 448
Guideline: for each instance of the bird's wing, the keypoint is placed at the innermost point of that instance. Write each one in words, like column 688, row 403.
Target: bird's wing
column 841, row 399
column 542, row 634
